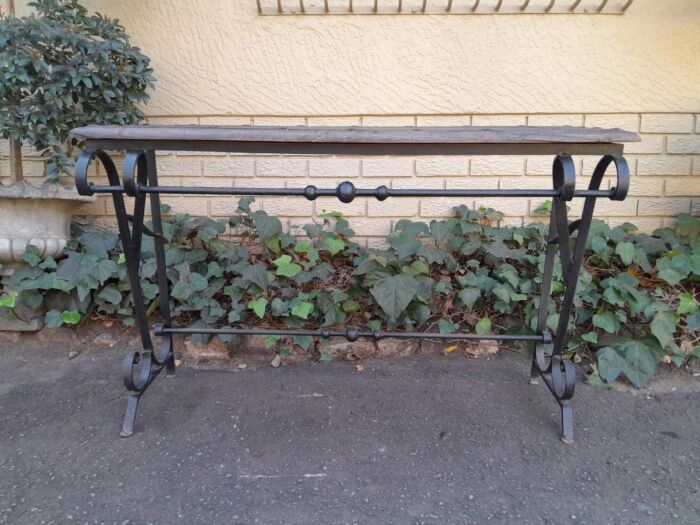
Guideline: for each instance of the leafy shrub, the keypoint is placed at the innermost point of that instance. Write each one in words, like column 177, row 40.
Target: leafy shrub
column 62, row 68
column 636, row 302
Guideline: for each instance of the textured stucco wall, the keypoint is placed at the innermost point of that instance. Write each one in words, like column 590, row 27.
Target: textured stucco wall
column 218, row 61
column 219, row 57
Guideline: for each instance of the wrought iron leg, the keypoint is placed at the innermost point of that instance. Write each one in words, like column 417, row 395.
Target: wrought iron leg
column 558, row 373
column 140, row 368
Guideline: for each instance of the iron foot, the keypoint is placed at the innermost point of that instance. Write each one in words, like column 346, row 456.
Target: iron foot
column 534, row 374
column 567, row 424
column 132, row 404
column 170, row 369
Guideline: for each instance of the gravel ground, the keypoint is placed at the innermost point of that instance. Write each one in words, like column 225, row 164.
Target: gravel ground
column 439, row 439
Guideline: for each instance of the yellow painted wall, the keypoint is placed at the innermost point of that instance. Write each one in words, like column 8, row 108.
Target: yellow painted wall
column 219, row 61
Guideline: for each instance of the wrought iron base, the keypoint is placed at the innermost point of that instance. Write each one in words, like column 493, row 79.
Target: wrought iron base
column 140, row 181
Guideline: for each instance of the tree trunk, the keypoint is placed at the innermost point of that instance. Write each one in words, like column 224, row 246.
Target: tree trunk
column 16, row 174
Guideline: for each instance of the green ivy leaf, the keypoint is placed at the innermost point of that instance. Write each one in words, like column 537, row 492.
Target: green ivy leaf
column 469, row 296
column 599, row 244
column 610, row 364
column 374, row 325
column 334, row 245
column 351, row 306
column 543, row 209
column 234, row 316
column 663, row 326
column 270, row 341
column 590, row 337
column 393, row 294
column 330, row 309
column 406, row 246
column 483, row 326
column 31, row 255
column 190, row 284
column 111, row 294
column 53, row 319
column 286, row 267
column 8, row 300
column 49, row 263
column 258, row 306
column 606, row 321
column 688, row 304
column 447, row 327
column 273, row 244
column 257, row 274
column 502, row 293
column 326, row 356
column 304, row 341
column 626, row 252
column 265, row 225
column 302, row 246
column 418, row 313
column 70, row 317
column 302, row 310
column 439, row 230
column 416, row 268
column 673, row 270
column 640, row 361
column 279, row 307
column 105, row 269
column 693, row 321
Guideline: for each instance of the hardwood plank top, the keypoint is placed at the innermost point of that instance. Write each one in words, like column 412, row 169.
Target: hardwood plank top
column 358, row 135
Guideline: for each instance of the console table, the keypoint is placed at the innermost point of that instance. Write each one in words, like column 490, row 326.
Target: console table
column 140, row 181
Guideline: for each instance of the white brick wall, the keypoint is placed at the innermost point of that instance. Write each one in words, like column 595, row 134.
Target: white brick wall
column 665, row 168
column 387, row 168
column 667, row 123
column 442, row 166
column 336, row 168
column 231, row 167
column 683, row 145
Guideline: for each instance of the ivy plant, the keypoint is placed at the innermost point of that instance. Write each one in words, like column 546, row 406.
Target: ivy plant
column 636, row 303
column 61, row 68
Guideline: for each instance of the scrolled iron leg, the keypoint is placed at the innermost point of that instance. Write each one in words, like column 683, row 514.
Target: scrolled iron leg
column 558, row 373
column 132, row 404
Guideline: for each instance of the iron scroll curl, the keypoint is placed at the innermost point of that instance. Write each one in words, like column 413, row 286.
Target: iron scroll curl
column 135, row 172
column 82, row 167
